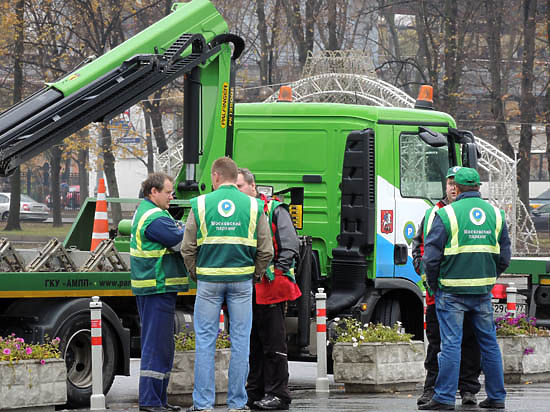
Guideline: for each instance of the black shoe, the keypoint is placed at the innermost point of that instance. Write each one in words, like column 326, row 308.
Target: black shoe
column 426, row 396
column 173, row 408
column 153, row 409
column 436, row 406
column 193, row 409
column 270, row 403
column 468, row 398
column 489, row 403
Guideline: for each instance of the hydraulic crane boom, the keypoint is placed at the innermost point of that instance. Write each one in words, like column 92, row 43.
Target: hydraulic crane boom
column 109, row 85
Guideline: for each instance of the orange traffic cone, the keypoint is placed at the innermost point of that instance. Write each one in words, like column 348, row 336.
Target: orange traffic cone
column 101, row 224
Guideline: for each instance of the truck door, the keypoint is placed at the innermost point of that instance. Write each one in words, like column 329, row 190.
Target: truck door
column 420, row 177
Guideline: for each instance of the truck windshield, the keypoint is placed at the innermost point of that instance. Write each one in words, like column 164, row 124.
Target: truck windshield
column 423, row 168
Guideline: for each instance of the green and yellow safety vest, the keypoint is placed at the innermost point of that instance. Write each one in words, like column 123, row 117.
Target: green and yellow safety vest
column 472, row 251
column 226, row 236
column 270, row 271
column 154, row 268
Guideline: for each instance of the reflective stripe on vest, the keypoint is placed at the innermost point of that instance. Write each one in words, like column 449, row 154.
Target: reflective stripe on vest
column 245, row 270
column 145, row 253
column 473, row 281
column 272, row 268
column 431, row 218
column 455, row 249
column 227, row 240
column 146, row 283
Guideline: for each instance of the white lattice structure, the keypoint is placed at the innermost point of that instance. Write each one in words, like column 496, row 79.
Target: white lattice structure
column 500, row 169
column 347, row 88
column 171, row 160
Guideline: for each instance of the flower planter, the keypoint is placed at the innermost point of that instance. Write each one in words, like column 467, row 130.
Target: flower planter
column 29, row 384
column 378, row 366
column 180, row 388
column 525, row 358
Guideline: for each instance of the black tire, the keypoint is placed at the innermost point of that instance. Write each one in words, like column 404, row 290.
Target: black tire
column 387, row 312
column 5, row 215
column 75, row 347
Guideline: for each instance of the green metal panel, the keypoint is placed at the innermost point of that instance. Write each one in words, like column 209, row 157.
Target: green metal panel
column 535, row 267
column 197, row 16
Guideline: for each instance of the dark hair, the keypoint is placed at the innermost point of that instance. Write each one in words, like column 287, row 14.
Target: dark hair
column 154, row 180
column 226, row 168
column 466, row 188
column 247, row 175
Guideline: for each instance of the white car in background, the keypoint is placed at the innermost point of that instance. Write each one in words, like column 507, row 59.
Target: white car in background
column 30, row 209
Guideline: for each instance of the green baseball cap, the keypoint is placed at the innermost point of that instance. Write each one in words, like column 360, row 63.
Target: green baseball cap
column 467, row 176
column 452, row 171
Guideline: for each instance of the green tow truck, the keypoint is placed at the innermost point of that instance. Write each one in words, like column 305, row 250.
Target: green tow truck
column 357, row 179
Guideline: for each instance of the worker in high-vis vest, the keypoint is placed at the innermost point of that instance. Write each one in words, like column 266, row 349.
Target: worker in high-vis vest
column 470, row 369
column 158, row 273
column 465, row 251
column 226, row 244
column 267, row 384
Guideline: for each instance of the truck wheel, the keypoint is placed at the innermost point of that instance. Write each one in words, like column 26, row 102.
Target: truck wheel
column 76, row 349
column 387, row 312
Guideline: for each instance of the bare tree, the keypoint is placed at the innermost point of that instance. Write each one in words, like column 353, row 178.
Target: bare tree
column 547, row 95
column 527, row 102
column 19, row 49
column 302, row 26
column 493, row 12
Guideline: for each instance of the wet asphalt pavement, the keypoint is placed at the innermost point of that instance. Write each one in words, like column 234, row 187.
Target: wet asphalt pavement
column 534, row 397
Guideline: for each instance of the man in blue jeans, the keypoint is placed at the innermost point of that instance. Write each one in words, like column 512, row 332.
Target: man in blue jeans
column 466, row 249
column 226, row 244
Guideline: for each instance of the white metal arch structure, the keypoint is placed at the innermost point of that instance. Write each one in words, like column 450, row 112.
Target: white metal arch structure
column 347, row 88
column 500, row 169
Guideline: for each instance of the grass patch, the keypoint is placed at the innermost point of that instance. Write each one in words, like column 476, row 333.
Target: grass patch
column 36, row 229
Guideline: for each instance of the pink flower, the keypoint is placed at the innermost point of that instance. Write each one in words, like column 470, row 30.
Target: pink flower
column 7, row 351
column 29, row 351
column 18, row 346
column 42, row 361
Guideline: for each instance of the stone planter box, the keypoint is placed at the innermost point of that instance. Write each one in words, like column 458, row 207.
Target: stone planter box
column 525, row 358
column 28, row 385
column 379, row 367
column 182, row 377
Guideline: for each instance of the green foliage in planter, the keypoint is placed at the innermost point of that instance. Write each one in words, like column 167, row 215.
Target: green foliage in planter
column 13, row 349
column 351, row 330
column 186, row 340
column 509, row 325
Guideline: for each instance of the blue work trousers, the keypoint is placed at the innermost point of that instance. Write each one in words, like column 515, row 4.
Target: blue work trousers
column 450, row 309
column 157, row 346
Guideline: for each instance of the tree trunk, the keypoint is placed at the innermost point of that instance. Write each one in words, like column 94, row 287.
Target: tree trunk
column 264, row 44
column 493, row 9
column 448, row 102
column 83, row 178
column 149, row 142
column 331, row 25
column 547, row 95
column 527, row 103
column 110, row 175
column 156, row 119
column 55, row 169
column 15, row 179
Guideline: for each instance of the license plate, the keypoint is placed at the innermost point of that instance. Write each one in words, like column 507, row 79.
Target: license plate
column 500, row 308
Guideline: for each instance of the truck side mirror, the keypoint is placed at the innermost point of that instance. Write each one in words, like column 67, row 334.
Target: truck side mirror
column 434, row 139
column 470, row 155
